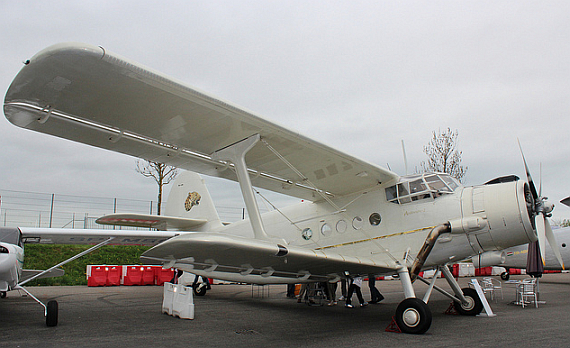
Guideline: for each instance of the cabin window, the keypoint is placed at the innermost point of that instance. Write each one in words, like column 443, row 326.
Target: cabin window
column 341, row 226
column 307, row 234
column 375, row 219
column 357, row 223
column 326, row 230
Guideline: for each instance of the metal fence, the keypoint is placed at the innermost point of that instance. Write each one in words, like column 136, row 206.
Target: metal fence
column 32, row 209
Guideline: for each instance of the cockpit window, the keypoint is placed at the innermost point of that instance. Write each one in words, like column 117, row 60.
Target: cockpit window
column 421, row 186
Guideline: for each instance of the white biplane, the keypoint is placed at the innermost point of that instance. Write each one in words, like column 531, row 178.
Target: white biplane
column 355, row 218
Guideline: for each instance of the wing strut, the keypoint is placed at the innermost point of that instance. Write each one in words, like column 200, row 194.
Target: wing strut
column 235, row 154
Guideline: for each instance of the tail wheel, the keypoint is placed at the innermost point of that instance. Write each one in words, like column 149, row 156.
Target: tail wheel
column 2, row 294
column 52, row 313
column 473, row 306
column 413, row 316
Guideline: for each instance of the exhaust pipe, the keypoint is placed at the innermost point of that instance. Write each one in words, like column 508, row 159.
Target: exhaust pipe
column 427, row 247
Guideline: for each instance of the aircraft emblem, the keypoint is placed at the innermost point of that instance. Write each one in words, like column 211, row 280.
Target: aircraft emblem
column 192, row 200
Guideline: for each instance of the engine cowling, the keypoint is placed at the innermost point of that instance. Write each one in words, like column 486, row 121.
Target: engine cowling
column 495, row 216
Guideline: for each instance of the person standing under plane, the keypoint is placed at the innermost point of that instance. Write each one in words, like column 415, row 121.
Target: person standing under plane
column 375, row 295
column 355, row 285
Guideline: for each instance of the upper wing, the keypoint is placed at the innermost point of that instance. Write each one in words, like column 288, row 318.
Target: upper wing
column 234, row 258
column 90, row 95
column 85, row 236
column 160, row 222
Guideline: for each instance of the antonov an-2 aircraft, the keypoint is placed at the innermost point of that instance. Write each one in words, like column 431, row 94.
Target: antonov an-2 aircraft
column 355, row 218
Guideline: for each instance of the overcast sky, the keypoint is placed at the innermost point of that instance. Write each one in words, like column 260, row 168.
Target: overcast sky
column 358, row 75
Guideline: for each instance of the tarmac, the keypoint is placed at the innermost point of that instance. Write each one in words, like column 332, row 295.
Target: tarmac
column 233, row 315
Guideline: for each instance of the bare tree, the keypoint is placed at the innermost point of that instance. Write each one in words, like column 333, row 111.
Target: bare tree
column 443, row 156
column 160, row 172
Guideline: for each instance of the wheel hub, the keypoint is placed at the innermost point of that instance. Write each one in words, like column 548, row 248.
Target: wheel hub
column 468, row 304
column 411, row 317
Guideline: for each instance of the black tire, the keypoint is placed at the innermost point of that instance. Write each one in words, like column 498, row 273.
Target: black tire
column 413, row 316
column 474, row 307
column 200, row 290
column 52, row 313
column 2, row 294
column 505, row 275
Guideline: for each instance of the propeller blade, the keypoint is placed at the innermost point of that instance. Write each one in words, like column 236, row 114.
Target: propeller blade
column 528, row 176
column 540, row 181
column 552, row 241
column 540, row 233
column 566, row 201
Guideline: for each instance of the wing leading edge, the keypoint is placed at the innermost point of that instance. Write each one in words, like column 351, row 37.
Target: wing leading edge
column 86, row 94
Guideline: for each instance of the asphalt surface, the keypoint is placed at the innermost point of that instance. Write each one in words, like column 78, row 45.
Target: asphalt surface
column 247, row 316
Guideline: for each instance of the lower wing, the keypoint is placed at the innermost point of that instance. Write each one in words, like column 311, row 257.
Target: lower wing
column 255, row 261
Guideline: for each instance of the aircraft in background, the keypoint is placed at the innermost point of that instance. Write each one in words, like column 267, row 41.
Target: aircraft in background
column 355, row 218
column 516, row 257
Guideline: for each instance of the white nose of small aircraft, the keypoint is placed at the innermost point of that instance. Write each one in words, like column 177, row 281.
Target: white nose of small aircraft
column 8, row 266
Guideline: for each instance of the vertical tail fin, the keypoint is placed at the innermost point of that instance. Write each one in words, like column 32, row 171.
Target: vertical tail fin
column 189, row 198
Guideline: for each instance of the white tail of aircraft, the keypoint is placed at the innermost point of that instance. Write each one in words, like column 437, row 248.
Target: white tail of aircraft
column 189, row 208
column 189, row 198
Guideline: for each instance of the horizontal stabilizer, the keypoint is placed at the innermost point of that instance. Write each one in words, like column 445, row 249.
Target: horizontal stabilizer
column 92, row 236
column 29, row 273
column 151, row 221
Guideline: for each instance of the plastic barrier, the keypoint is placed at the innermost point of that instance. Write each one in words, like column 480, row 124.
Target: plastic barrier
column 168, row 298
column 148, row 275
column 96, row 275
column 183, row 302
column 178, row 301
column 163, row 275
column 114, row 274
column 132, row 275
column 484, row 271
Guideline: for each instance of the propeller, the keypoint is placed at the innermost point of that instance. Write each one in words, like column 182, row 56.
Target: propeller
column 540, row 210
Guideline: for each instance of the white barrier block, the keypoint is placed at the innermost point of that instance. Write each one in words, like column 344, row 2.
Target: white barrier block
column 168, row 298
column 183, row 302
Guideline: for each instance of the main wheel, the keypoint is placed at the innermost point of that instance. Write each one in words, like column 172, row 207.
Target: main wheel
column 474, row 305
column 2, row 294
column 413, row 316
column 200, row 290
column 52, row 312
column 505, row 275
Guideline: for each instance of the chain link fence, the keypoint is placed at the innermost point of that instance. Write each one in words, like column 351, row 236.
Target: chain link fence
column 32, row 209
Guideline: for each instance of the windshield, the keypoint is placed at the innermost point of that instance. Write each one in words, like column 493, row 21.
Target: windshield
column 421, row 186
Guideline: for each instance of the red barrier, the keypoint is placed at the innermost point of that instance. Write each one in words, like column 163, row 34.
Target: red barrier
column 148, row 275
column 163, row 275
column 455, row 270
column 114, row 274
column 96, row 276
column 484, row 271
column 132, row 275
column 104, row 275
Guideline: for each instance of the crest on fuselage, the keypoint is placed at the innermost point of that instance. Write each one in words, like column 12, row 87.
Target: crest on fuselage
column 192, row 200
